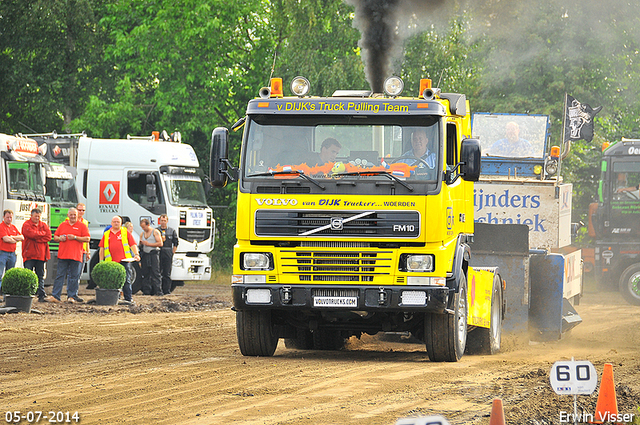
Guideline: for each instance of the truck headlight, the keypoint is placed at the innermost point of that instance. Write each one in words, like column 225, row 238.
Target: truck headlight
column 178, row 263
column 256, row 261
column 419, row 262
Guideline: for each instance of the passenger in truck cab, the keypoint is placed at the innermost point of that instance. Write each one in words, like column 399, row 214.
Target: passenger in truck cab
column 512, row 144
column 329, row 151
column 420, row 154
column 622, row 186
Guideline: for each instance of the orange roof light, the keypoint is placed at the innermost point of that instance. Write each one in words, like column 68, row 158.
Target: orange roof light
column 555, row 152
column 156, row 135
column 276, row 87
column 605, row 145
column 425, row 83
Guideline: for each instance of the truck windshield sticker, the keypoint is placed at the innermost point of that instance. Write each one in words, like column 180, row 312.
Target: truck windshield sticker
column 345, row 106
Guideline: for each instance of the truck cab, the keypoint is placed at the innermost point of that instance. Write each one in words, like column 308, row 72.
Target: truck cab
column 22, row 173
column 143, row 178
column 614, row 221
column 354, row 216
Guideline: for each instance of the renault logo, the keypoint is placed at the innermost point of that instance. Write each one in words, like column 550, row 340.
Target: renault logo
column 336, row 223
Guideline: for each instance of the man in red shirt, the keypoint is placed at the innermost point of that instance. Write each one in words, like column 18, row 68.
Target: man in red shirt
column 118, row 245
column 35, row 250
column 9, row 237
column 71, row 234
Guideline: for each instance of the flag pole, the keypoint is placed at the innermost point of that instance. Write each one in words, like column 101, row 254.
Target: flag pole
column 562, row 141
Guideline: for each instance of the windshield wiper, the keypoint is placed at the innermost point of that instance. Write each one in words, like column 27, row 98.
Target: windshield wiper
column 378, row 173
column 299, row 173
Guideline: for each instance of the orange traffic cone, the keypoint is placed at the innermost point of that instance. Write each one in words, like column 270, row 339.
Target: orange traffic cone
column 497, row 413
column 607, row 403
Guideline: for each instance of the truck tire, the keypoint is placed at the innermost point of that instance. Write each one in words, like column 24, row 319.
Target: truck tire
column 328, row 340
column 136, row 277
column 630, row 284
column 175, row 283
column 302, row 341
column 446, row 334
column 256, row 336
column 95, row 259
column 487, row 340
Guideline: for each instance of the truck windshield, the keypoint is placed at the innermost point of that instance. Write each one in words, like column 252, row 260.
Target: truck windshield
column 185, row 190
column 511, row 135
column 334, row 147
column 25, row 180
column 61, row 192
column 626, row 181
column 60, row 186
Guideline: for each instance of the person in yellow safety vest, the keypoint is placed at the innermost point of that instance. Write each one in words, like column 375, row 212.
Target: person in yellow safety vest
column 118, row 245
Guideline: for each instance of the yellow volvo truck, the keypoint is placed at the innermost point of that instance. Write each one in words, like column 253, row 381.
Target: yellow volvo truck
column 355, row 214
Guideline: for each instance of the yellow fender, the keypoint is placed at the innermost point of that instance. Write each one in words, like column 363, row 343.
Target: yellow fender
column 480, row 285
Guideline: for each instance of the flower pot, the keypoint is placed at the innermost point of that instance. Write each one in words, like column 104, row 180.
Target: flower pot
column 107, row 296
column 21, row 302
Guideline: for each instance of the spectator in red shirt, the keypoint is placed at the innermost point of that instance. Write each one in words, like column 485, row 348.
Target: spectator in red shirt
column 71, row 234
column 9, row 237
column 35, row 250
column 117, row 244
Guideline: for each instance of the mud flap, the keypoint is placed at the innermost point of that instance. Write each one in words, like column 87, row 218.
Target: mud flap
column 506, row 246
column 550, row 315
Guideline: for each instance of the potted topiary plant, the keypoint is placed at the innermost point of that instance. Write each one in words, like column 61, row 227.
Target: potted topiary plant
column 19, row 286
column 109, row 277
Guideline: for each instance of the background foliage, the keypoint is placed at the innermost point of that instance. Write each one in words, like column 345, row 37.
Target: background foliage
column 117, row 67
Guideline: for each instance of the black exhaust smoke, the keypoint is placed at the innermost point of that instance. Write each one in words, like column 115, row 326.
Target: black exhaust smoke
column 376, row 20
column 383, row 25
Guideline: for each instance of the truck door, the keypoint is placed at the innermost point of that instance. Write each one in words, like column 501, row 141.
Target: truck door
column 144, row 188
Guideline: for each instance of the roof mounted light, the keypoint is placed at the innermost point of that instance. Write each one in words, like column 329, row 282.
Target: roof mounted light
column 276, row 87
column 300, row 86
column 393, row 86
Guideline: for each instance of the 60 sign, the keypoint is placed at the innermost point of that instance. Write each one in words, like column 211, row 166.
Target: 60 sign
column 573, row 377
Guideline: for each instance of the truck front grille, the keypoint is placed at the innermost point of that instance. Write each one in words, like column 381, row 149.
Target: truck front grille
column 332, row 266
column 361, row 224
column 194, row 234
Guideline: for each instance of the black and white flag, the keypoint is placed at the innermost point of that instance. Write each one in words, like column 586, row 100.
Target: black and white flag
column 578, row 120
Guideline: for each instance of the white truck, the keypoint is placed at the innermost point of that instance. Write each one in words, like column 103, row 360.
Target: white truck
column 143, row 177
column 23, row 175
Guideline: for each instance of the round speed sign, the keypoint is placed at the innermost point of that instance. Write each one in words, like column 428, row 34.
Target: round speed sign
column 573, row 377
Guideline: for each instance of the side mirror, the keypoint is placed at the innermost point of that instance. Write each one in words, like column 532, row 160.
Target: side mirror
column 219, row 157
column 152, row 194
column 470, row 158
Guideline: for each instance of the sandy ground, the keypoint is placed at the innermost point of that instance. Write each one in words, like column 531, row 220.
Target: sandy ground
column 175, row 360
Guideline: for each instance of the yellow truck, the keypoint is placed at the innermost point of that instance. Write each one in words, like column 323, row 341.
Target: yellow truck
column 354, row 215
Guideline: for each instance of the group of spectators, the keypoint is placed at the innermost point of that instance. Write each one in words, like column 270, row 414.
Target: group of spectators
column 72, row 235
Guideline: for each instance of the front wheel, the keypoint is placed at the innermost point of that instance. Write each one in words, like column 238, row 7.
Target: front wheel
column 630, row 284
column 256, row 336
column 446, row 334
column 487, row 340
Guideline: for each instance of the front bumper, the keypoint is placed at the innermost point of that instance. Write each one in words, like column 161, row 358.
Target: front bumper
column 341, row 298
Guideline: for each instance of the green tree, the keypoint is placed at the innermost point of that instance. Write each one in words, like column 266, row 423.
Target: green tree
column 50, row 62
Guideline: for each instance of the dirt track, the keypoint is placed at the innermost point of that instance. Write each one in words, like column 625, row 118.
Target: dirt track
column 175, row 360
